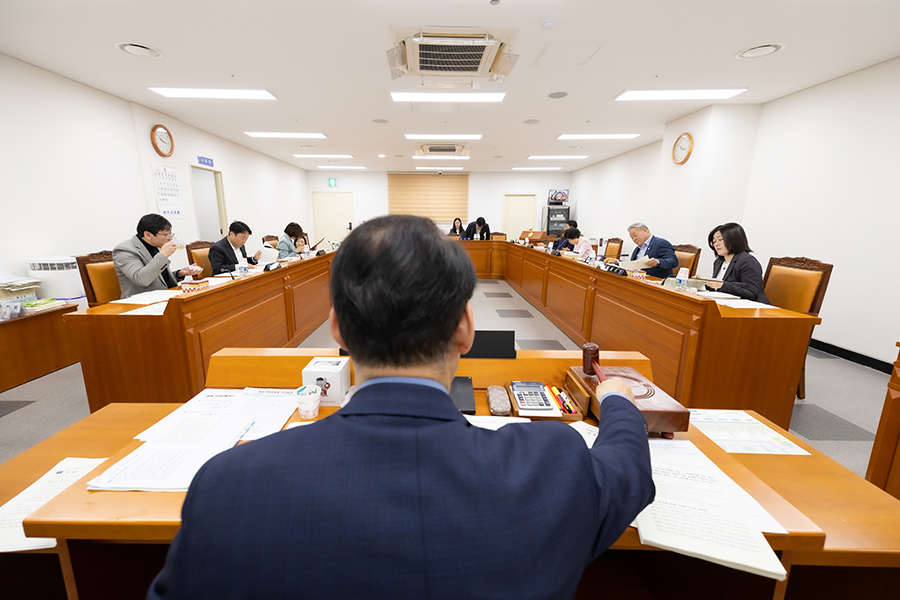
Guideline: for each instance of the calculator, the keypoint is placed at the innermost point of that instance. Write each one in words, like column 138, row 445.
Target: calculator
column 531, row 395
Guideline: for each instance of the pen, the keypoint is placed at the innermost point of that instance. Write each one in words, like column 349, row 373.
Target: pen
column 552, row 393
column 569, row 404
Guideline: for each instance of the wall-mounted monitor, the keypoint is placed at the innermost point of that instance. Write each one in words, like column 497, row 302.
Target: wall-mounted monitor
column 558, row 197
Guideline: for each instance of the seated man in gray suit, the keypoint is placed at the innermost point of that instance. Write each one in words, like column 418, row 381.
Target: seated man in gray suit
column 142, row 261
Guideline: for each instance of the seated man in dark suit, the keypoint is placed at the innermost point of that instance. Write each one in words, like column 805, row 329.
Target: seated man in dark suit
column 478, row 230
column 223, row 254
column 660, row 254
column 396, row 495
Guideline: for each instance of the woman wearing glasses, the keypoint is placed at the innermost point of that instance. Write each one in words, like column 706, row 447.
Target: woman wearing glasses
column 735, row 271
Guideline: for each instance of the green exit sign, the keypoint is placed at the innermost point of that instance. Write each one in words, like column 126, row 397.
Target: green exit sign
column 332, row 182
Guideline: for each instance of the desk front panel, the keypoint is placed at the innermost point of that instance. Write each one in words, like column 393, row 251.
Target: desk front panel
column 34, row 346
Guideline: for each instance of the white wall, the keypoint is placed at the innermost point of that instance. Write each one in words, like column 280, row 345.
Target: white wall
column 486, row 191
column 370, row 192
column 826, row 184
column 78, row 176
column 813, row 174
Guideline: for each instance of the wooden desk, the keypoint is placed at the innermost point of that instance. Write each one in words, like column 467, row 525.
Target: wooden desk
column 35, row 345
column 163, row 358
column 103, row 532
column 703, row 354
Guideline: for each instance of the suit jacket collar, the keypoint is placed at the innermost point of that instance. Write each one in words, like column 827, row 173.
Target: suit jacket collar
column 402, row 399
column 141, row 249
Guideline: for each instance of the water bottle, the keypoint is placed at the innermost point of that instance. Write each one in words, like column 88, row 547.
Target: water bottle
column 681, row 280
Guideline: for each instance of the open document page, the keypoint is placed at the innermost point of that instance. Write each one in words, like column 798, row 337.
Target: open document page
column 494, row 423
column 737, row 432
column 697, row 513
column 65, row 473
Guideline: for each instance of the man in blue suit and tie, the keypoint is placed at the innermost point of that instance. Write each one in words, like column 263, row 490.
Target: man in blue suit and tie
column 660, row 255
column 396, row 495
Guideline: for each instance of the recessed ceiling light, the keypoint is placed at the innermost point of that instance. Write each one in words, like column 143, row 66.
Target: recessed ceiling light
column 758, row 51
column 322, row 155
column 217, row 94
column 531, row 122
column 560, row 157
column 448, row 96
column 380, row 121
column 347, row 167
column 434, row 157
column 557, row 95
column 381, row 156
column 576, row 147
column 139, row 50
column 439, row 168
column 548, row 23
column 536, row 168
column 285, row 134
column 306, row 147
column 443, row 136
column 598, row 136
column 681, row 94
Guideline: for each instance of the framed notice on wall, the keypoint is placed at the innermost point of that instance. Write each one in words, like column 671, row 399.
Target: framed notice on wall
column 168, row 195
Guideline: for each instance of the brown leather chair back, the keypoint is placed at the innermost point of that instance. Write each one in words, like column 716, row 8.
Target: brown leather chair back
column 271, row 239
column 198, row 254
column 498, row 235
column 104, row 282
column 797, row 284
column 688, row 257
column 613, row 248
column 108, row 290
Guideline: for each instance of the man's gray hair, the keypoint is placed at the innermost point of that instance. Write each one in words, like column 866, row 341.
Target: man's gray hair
column 637, row 225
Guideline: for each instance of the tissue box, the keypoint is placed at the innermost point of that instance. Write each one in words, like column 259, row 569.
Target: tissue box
column 332, row 375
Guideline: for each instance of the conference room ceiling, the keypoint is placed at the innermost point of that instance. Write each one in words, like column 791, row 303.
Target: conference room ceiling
column 325, row 63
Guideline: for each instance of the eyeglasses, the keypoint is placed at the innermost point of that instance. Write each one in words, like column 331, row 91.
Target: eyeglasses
column 717, row 240
column 166, row 235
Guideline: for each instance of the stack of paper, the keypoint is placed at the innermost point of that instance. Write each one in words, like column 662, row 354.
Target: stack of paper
column 150, row 297
column 14, row 283
column 737, row 432
column 64, row 474
column 177, row 446
column 698, row 512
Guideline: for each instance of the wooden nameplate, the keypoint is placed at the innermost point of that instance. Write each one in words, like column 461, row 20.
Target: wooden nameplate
column 663, row 413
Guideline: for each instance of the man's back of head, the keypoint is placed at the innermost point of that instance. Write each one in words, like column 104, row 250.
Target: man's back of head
column 399, row 304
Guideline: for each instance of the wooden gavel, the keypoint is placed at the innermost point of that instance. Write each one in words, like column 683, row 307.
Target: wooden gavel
column 590, row 356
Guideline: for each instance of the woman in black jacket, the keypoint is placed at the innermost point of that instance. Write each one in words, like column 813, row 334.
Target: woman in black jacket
column 735, row 271
column 457, row 229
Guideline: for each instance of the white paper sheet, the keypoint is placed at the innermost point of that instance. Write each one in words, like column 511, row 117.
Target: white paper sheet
column 151, row 309
column 718, row 295
column 269, row 408
column 587, row 431
column 150, row 297
column 634, row 265
column 737, row 432
column 65, row 473
column 211, row 401
column 493, row 423
column 170, row 461
column 741, row 303
column 694, row 513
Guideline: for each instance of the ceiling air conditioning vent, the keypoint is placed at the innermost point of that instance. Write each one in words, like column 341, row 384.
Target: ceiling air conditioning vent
column 452, row 52
column 442, row 150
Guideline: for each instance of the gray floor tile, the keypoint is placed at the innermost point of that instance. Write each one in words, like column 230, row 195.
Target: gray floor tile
column 488, row 282
column 11, row 406
column 515, row 314
column 815, row 423
column 497, row 295
column 539, row 345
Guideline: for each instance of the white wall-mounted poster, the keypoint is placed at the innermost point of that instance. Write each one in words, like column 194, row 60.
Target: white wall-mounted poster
column 168, row 195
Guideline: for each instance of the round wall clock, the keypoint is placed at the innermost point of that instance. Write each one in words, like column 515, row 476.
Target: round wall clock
column 162, row 140
column 681, row 151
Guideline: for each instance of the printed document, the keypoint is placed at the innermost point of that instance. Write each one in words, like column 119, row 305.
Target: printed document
column 150, row 297
column 695, row 513
column 737, row 432
column 494, row 423
column 65, row 473
column 588, row 432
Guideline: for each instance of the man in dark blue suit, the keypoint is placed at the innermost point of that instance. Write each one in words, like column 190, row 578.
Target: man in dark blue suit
column 396, row 495
column 223, row 254
column 660, row 255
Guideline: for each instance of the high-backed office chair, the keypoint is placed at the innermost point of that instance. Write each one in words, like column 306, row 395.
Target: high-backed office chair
column 884, row 463
column 499, row 236
column 198, row 254
column 797, row 284
column 98, row 276
column 688, row 257
column 613, row 248
column 271, row 239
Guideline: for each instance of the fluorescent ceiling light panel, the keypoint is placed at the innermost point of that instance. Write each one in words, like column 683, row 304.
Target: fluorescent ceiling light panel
column 536, row 168
column 284, row 134
column 434, row 157
column 443, row 136
column 322, row 155
column 598, row 136
column 346, row 167
column 448, row 96
column 681, row 94
column 213, row 93
column 563, row 157
column 439, row 168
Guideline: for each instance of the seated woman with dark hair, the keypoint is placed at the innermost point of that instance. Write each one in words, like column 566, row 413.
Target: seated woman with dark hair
column 457, row 230
column 735, row 271
column 291, row 242
column 581, row 244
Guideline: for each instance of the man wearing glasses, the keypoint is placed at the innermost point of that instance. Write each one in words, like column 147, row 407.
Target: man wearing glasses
column 142, row 261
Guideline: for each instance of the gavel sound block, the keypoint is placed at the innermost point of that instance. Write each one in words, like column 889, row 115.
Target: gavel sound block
column 662, row 413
